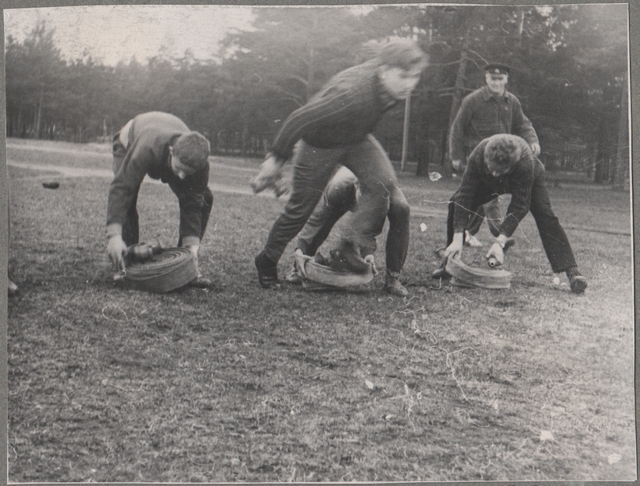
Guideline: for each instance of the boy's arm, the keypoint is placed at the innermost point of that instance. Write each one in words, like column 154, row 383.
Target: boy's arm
column 522, row 181
column 456, row 137
column 122, row 193
column 468, row 188
column 190, row 192
column 270, row 175
column 126, row 183
column 522, row 126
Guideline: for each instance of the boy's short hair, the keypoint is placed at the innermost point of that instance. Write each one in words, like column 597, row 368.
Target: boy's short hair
column 503, row 149
column 403, row 53
column 192, row 149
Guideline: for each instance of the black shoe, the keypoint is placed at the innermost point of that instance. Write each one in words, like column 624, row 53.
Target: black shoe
column 200, row 282
column 393, row 286
column 348, row 259
column 267, row 272
column 578, row 284
column 440, row 273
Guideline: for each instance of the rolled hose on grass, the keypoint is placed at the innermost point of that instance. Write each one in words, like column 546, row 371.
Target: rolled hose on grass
column 467, row 276
column 164, row 272
column 325, row 275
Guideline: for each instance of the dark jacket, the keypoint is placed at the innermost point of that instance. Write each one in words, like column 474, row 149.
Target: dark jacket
column 342, row 113
column 147, row 153
column 481, row 115
column 479, row 187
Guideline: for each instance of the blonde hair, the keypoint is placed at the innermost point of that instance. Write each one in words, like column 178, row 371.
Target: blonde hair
column 403, row 53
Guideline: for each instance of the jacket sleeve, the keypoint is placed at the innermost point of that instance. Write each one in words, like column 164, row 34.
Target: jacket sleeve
column 522, row 182
column 456, row 137
column 468, row 189
column 124, row 188
column 522, row 126
column 336, row 106
column 191, row 192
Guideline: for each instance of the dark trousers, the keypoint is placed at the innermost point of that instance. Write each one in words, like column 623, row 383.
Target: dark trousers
column 381, row 197
column 321, row 222
column 131, row 228
column 490, row 212
column 554, row 239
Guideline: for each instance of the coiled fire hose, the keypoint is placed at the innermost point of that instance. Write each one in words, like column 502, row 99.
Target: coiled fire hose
column 157, row 269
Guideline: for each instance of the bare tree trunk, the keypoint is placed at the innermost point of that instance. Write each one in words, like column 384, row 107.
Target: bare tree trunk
column 455, row 104
column 39, row 114
column 18, row 128
column 622, row 155
column 405, row 134
column 520, row 25
column 243, row 139
column 424, row 156
column 603, row 154
column 592, row 161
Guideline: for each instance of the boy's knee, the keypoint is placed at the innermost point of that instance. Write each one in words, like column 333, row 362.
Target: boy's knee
column 300, row 210
column 208, row 198
column 400, row 210
column 399, row 206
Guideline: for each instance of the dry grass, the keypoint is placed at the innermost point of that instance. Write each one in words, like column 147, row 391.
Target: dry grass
column 242, row 384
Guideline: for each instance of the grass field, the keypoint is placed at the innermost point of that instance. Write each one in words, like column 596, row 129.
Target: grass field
column 238, row 383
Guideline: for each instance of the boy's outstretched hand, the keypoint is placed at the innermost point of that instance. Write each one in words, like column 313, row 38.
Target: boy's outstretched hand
column 269, row 176
column 117, row 249
column 455, row 248
column 495, row 255
column 301, row 260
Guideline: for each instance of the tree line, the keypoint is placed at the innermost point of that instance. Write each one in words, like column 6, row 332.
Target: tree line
column 569, row 70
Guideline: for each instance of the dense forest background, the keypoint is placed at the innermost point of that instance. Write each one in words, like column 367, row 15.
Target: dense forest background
column 569, row 70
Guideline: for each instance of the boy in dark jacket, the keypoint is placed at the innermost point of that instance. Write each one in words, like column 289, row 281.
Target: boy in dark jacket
column 488, row 111
column 505, row 164
column 161, row 146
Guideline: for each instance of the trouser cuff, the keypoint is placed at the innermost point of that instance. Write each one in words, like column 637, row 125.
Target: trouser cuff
column 270, row 256
column 392, row 274
column 572, row 272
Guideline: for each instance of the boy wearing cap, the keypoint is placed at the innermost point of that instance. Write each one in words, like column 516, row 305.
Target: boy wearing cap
column 505, row 164
column 161, row 146
column 488, row 111
column 335, row 128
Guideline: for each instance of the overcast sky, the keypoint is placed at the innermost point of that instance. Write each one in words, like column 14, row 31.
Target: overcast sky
column 118, row 32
